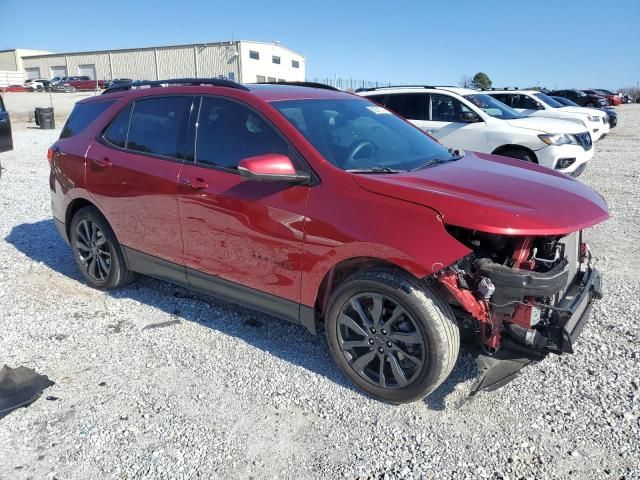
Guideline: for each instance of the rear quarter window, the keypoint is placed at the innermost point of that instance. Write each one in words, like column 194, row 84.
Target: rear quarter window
column 82, row 116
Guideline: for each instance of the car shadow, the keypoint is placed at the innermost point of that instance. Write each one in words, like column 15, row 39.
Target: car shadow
column 41, row 242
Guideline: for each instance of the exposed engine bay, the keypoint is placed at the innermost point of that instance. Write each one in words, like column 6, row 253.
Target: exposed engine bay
column 521, row 297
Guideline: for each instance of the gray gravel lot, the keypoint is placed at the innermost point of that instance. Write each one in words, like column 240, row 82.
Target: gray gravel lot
column 224, row 392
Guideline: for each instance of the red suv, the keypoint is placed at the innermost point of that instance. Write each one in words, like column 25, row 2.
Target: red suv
column 330, row 211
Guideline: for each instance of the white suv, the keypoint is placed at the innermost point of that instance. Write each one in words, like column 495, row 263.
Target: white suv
column 536, row 104
column 472, row 120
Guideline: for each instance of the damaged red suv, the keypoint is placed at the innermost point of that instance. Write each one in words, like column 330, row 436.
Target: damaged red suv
column 330, row 211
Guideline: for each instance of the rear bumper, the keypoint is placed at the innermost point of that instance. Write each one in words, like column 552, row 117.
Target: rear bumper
column 62, row 229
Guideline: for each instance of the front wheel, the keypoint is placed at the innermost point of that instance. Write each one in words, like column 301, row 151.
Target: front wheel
column 590, row 105
column 393, row 336
column 518, row 153
column 97, row 251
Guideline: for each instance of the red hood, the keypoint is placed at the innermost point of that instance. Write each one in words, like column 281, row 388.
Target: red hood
column 496, row 195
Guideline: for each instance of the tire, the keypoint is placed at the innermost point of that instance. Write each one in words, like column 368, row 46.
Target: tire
column 518, row 153
column 108, row 269
column 425, row 316
column 590, row 105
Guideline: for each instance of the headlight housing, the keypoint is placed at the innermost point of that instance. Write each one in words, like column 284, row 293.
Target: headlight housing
column 593, row 118
column 558, row 139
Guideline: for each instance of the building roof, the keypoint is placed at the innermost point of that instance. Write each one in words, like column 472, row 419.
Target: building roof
column 119, row 50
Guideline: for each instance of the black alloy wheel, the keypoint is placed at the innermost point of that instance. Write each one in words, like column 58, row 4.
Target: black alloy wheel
column 380, row 340
column 94, row 251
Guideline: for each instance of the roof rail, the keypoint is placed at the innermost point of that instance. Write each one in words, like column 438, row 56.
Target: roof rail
column 302, row 84
column 371, row 89
column 217, row 82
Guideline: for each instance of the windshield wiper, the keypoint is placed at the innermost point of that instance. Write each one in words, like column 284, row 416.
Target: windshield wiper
column 373, row 170
column 438, row 161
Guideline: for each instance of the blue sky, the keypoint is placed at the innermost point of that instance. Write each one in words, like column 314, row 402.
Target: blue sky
column 554, row 44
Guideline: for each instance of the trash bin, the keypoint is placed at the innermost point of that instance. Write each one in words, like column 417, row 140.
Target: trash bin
column 44, row 118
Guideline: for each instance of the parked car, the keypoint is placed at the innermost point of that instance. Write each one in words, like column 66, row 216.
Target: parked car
column 6, row 138
column 467, row 119
column 118, row 81
column 581, row 98
column 56, row 80
column 78, row 83
column 533, row 103
column 614, row 98
column 36, row 84
column 612, row 116
column 328, row 210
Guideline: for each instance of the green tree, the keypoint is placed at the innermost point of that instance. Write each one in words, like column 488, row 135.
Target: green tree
column 481, row 81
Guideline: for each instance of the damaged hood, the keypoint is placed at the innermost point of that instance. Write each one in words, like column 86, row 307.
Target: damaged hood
column 496, row 195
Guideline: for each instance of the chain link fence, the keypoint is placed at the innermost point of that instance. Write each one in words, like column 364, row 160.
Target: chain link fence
column 349, row 83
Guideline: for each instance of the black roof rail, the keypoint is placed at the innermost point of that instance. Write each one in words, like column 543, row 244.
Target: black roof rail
column 217, row 82
column 371, row 89
column 324, row 86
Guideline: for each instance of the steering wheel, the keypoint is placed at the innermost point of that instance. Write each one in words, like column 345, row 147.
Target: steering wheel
column 357, row 148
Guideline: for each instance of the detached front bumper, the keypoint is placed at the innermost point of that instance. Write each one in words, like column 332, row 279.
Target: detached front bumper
column 570, row 316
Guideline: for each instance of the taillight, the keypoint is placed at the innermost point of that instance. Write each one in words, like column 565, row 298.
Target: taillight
column 50, row 153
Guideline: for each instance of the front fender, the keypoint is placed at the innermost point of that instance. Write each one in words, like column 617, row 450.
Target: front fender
column 409, row 236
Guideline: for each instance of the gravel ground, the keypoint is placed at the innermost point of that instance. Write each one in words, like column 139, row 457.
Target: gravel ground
column 153, row 381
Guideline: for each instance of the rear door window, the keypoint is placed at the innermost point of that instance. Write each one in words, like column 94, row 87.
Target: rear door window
column 116, row 132
column 502, row 97
column 158, row 126
column 524, row 102
column 377, row 98
column 412, row 106
column 82, row 116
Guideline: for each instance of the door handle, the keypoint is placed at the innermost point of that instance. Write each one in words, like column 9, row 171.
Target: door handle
column 3, row 121
column 102, row 162
column 196, row 184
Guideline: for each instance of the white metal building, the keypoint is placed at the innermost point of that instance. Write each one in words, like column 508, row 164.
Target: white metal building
column 242, row 61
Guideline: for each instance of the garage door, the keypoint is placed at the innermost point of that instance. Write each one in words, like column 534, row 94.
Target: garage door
column 32, row 72
column 89, row 70
column 60, row 71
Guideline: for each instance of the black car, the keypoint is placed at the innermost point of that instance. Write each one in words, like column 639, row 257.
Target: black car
column 118, row 81
column 612, row 115
column 6, row 140
column 581, row 98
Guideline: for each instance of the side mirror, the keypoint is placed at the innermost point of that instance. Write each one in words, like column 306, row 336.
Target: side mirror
column 469, row 117
column 272, row 167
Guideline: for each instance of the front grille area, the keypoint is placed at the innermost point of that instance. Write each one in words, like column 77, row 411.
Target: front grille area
column 584, row 139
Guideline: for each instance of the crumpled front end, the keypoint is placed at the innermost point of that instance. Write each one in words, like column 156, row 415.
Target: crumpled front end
column 520, row 297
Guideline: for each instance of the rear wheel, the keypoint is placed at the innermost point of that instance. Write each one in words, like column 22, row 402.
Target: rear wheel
column 518, row 153
column 393, row 336
column 590, row 105
column 97, row 251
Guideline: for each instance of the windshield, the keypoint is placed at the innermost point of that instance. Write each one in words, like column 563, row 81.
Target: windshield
column 565, row 102
column 493, row 107
column 356, row 134
column 548, row 100
column 605, row 92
